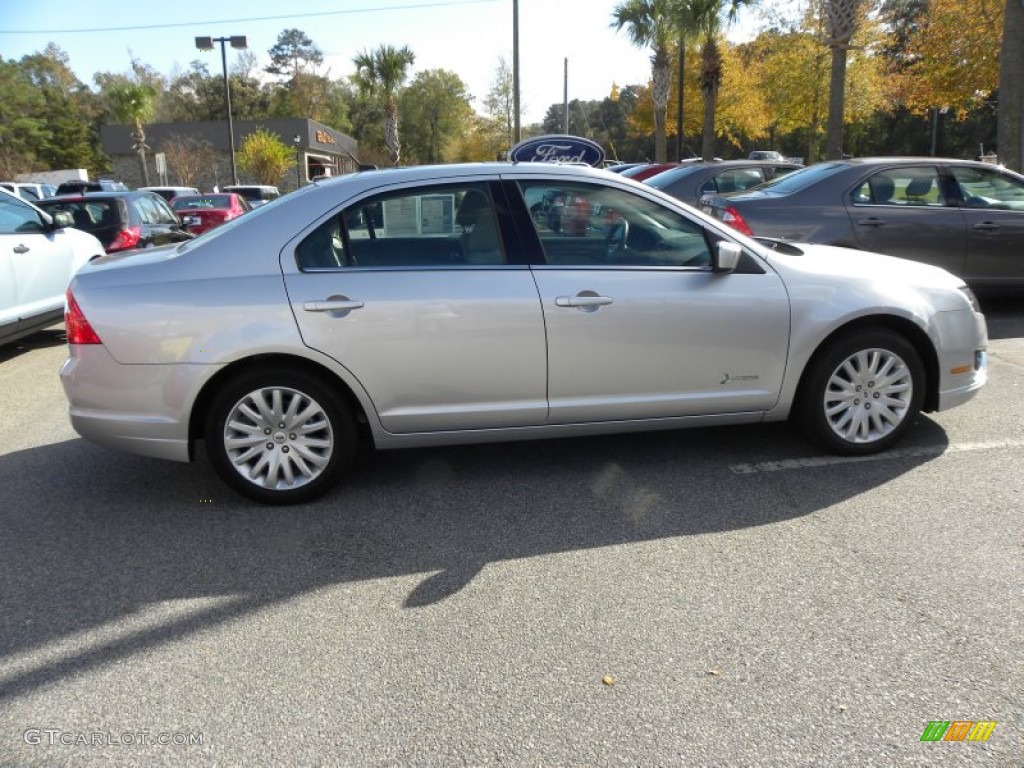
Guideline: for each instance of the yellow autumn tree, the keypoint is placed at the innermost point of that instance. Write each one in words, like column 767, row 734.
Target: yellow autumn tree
column 793, row 70
column 954, row 52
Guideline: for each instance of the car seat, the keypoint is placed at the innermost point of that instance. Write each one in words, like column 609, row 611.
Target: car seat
column 917, row 189
column 480, row 241
column 882, row 189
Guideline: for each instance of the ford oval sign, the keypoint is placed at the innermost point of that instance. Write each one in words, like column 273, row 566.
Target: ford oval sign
column 557, row 149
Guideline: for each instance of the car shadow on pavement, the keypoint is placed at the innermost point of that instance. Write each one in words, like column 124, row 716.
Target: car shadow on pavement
column 51, row 337
column 96, row 541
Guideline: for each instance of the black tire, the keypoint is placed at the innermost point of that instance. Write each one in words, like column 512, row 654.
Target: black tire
column 862, row 392
column 292, row 464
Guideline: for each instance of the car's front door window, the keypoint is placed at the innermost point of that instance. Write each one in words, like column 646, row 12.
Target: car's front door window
column 591, row 225
column 984, row 188
column 18, row 218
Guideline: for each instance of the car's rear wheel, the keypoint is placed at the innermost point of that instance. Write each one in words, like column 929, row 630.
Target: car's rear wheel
column 279, row 436
column 862, row 392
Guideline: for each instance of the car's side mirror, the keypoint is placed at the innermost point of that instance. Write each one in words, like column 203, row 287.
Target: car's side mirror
column 727, row 257
column 62, row 219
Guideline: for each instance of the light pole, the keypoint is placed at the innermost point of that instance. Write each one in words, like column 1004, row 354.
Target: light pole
column 206, row 44
column 297, row 140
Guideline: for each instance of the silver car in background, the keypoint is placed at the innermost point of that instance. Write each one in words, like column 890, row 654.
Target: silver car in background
column 426, row 306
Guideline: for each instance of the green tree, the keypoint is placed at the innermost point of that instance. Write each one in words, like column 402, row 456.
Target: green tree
column 380, row 74
column 264, row 156
column 22, row 130
column 133, row 103
column 68, row 112
column 710, row 18
column 436, row 105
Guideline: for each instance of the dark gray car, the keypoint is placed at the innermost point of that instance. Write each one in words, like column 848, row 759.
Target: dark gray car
column 691, row 181
column 964, row 216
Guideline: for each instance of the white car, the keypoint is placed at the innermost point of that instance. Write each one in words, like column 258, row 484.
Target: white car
column 39, row 255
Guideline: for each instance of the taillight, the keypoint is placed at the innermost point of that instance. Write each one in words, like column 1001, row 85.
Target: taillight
column 127, row 238
column 76, row 326
column 733, row 218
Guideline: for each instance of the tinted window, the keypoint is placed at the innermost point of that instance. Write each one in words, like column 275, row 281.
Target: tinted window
column 88, row 215
column 201, row 201
column 662, row 180
column 590, row 225
column 425, row 227
column 805, row 177
column 734, row 180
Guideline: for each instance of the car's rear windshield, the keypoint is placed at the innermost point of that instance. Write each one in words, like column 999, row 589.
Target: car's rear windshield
column 87, row 214
column 255, row 193
column 188, row 202
column 797, row 180
column 663, row 179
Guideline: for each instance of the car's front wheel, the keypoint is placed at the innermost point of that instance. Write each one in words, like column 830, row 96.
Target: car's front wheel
column 279, row 437
column 862, row 393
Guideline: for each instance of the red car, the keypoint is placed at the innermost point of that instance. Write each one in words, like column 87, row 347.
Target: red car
column 202, row 212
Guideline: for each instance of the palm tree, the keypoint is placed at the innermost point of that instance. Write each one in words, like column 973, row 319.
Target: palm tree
column 380, row 73
column 652, row 23
column 841, row 21
column 710, row 18
column 1011, row 88
column 133, row 103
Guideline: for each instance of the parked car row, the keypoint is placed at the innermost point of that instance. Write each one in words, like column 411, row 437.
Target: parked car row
column 961, row 215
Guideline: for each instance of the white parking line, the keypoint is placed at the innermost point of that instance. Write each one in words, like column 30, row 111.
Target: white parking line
column 903, row 453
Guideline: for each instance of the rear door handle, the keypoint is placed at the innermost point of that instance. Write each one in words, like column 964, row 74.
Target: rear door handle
column 583, row 301
column 21, row 248
column 871, row 222
column 986, row 226
column 341, row 306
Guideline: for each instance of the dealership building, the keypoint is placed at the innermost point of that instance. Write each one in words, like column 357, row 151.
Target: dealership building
column 319, row 151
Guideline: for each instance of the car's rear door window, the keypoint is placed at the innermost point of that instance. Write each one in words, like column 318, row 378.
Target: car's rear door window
column 912, row 185
column 442, row 226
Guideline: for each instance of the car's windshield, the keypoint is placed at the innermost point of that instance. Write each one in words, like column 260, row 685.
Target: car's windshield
column 798, row 180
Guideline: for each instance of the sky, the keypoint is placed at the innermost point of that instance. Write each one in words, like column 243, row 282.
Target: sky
column 467, row 37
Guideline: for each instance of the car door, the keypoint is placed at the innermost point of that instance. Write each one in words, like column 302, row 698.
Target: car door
column 34, row 265
column 904, row 211
column 416, row 291
column 161, row 224
column 993, row 207
column 638, row 325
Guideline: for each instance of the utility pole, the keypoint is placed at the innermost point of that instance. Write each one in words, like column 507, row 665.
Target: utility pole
column 517, row 132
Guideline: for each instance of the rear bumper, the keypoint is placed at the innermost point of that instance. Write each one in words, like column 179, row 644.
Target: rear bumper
column 140, row 409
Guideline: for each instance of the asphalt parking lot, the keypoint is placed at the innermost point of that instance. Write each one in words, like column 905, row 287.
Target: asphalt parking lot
column 722, row 597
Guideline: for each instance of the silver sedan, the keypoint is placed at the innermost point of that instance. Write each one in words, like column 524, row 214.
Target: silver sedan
column 427, row 306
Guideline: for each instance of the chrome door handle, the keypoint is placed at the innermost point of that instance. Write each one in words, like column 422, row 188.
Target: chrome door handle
column 987, row 226
column 871, row 222
column 582, row 301
column 21, row 248
column 332, row 305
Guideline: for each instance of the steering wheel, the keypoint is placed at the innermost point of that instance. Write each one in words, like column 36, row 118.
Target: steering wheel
column 615, row 240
